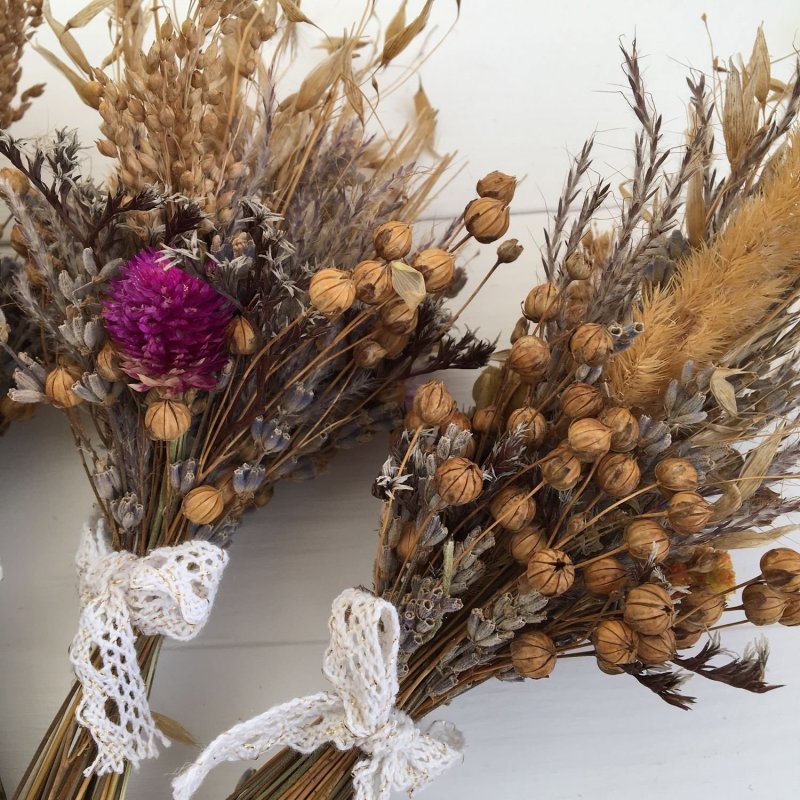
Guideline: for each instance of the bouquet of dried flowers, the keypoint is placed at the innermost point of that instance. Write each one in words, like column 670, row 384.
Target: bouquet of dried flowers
column 639, row 427
column 246, row 299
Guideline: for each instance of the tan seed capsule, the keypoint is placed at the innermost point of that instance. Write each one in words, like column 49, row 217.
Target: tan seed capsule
column 332, row 292
column 458, row 481
column 656, row 649
column 398, row 317
column 608, row 669
column 791, row 614
column 589, row 439
column 550, row 572
column 533, row 654
column 647, row 540
column 392, row 240
column 408, row 541
column 615, row 642
column 688, row 512
column 591, row 344
column 700, row 609
column 509, row 251
column 529, row 357
column 649, row 609
column 373, row 281
column 561, row 469
column 780, row 568
column 530, row 423
column 457, row 418
column 437, row 266
column 203, row 505
column 605, row 576
column 685, row 638
column 675, row 475
column 497, row 185
column 512, row 509
column 167, row 420
column 520, row 329
column 763, row 605
column 433, row 402
column 368, row 354
column 486, row 420
column 58, row 387
column 618, row 475
column 487, row 219
column 242, row 338
column 526, row 541
column 542, row 304
column 578, row 266
column 392, row 343
column 624, row 428
column 107, row 364
column 581, row 400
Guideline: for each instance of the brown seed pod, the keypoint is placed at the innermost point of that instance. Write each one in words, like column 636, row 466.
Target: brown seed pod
column 589, row 439
column 624, row 428
column 433, row 402
column 575, row 305
column 332, row 291
column 521, row 327
column 675, row 475
column 412, row 420
column 529, row 357
column 605, row 576
column 533, row 425
column 437, row 267
column 392, row 343
column 763, row 605
column 457, row 418
column 780, row 568
column 591, row 344
column 373, row 282
column 543, row 303
column 533, row 654
column 685, row 638
column 581, row 400
column 58, row 387
column 392, row 240
column 560, row 468
column 509, row 251
column 107, row 364
column 647, row 539
column 497, row 185
column 458, row 481
column 578, row 267
column 398, row 317
column 688, row 512
column 550, row 572
column 242, row 338
column 791, row 614
column 486, row 420
column 487, row 219
column 407, row 541
column 615, row 642
column 618, row 475
column 526, row 541
column 700, row 609
column 608, row 669
column 512, row 509
column 649, row 609
column 656, row 649
column 368, row 354
column 203, row 505
column 167, row 420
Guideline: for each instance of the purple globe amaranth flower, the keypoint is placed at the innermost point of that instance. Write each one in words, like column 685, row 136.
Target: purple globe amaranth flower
column 168, row 326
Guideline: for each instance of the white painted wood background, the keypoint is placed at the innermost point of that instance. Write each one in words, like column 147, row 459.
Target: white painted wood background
column 519, row 85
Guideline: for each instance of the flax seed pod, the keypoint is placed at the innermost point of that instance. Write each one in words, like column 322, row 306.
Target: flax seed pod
column 509, row 251
column 560, row 468
column 780, row 568
column 433, row 403
column 550, row 572
column 688, row 512
column 531, row 424
column 437, row 267
column 591, row 344
column 332, row 292
column 675, row 475
column 203, row 505
column 615, row 642
column 647, row 540
column 167, row 420
column 618, row 475
column 791, row 614
column 486, row 420
column 529, row 357
column 526, row 541
column 368, row 354
column 398, row 317
column 520, row 329
column 624, row 428
column 533, row 654
column 457, row 418
column 497, row 185
column 458, row 481
column 700, row 609
column 392, row 343
column 487, row 219
column 58, row 386
column 649, row 609
column 578, row 266
column 242, row 338
column 512, row 509
column 605, row 576
column 543, row 303
column 608, row 669
column 392, row 240
column 373, row 282
column 686, row 638
column 657, row 649
column 107, row 364
column 581, row 400
column 589, row 439
column 762, row 604
column 407, row 541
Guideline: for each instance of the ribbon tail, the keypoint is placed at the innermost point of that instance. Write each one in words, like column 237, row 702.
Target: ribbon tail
column 370, row 781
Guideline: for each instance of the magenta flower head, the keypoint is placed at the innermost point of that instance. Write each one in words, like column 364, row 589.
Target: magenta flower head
column 168, row 326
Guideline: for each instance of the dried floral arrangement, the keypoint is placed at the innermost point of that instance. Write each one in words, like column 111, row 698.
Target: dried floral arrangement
column 247, row 298
column 639, row 427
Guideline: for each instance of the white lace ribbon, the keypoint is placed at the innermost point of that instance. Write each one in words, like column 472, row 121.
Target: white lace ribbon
column 169, row 592
column 361, row 663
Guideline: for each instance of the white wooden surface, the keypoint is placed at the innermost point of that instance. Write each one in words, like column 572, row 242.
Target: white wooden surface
column 519, row 86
